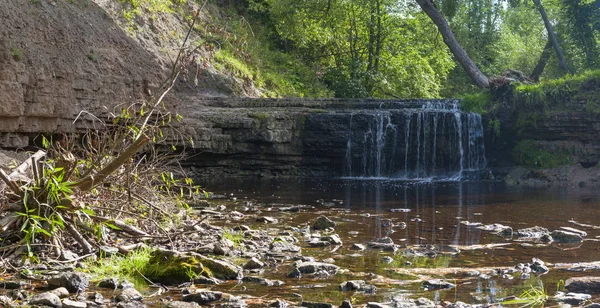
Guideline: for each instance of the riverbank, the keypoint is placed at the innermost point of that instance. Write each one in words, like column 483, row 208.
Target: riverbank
column 380, row 245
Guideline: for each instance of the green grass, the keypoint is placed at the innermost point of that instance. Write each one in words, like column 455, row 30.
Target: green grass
column 16, row 53
column 237, row 238
column 122, row 267
column 526, row 153
column 557, row 91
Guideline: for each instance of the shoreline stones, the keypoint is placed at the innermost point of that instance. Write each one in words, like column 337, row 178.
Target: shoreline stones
column 323, row 223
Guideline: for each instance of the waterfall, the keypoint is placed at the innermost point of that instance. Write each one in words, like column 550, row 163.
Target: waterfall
column 435, row 141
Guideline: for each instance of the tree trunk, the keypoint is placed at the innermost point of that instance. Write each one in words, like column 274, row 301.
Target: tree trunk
column 541, row 64
column 461, row 55
column 552, row 36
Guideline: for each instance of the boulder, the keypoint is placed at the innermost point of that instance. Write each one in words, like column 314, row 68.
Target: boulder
column 203, row 296
column 534, row 234
column 254, row 263
column 46, row 299
column 60, row 292
column 322, row 223
column 174, row 267
column 180, row 304
column 67, row 303
column 307, row 268
column 571, row 298
column 436, row 284
column 583, row 284
column 75, row 282
column 129, row 294
column 562, row 236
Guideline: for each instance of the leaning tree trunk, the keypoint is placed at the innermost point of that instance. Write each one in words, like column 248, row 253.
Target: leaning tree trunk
column 552, row 36
column 541, row 64
column 461, row 55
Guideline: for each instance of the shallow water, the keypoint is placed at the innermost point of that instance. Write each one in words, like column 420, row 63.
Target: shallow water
column 433, row 212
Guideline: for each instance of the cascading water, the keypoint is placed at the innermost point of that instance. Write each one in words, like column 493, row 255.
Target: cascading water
column 430, row 141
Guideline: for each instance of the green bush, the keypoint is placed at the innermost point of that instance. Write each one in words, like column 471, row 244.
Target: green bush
column 526, row 153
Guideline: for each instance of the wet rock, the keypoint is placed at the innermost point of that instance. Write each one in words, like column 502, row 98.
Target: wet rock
column 207, row 280
column 254, row 263
column 264, row 281
column 436, row 284
column 346, row 304
column 319, row 243
column 359, row 247
column 385, row 244
column 284, row 247
column 498, row 229
column 180, row 304
column 402, row 302
column 316, row 305
column 399, row 210
column 534, row 234
column 46, row 299
column 96, row 298
column 124, row 284
column 203, row 296
column 267, row 220
column 538, row 267
column 322, row 223
column 334, row 239
column 583, row 284
column 134, row 304
column 592, row 305
column 377, row 305
column 303, row 268
column 290, row 209
column 67, row 303
column 75, row 282
column 352, row 285
column 241, row 228
column 60, row 292
column 569, row 229
column 129, row 294
column 562, row 236
column 110, row 283
column 5, row 301
column 279, row 304
column 576, row 299
column 387, row 259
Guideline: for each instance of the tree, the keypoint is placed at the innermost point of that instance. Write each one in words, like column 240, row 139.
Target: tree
column 480, row 79
column 551, row 35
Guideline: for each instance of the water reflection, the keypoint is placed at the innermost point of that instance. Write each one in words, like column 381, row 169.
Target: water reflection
column 433, row 211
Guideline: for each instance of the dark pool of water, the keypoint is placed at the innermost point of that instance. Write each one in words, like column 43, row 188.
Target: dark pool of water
column 363, row 206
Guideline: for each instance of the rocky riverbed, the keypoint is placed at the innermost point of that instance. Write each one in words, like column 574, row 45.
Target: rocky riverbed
column 238, row 252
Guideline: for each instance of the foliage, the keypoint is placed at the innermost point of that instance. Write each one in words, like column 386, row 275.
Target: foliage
column 476, row 102
column 134, row 8
column 246, row 52
column 365, row 48
column 527, row 153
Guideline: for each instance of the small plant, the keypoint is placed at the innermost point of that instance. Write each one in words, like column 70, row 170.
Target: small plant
column 534, row 296
column 16, row 53
column 237, row 238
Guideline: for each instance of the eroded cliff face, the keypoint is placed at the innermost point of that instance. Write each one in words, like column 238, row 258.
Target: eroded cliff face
column 58, row 59
column 558, row 134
